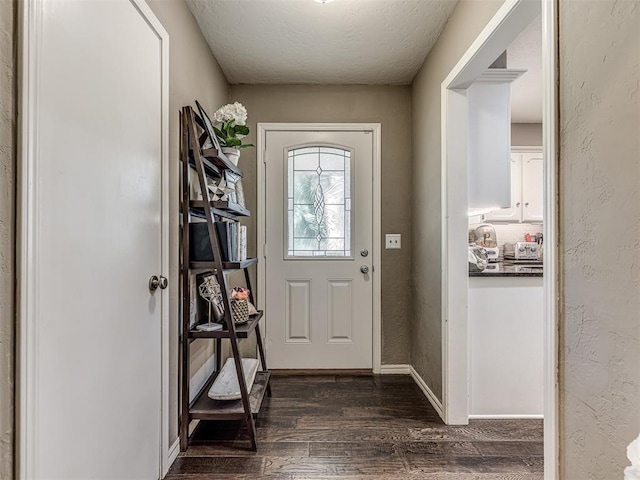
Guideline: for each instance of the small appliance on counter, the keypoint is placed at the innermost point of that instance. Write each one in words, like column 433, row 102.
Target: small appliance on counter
column 477, row 258
column 522, row 251
column 485, row 237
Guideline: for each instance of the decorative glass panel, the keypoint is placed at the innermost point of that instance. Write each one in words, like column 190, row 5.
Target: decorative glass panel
column 319, row 202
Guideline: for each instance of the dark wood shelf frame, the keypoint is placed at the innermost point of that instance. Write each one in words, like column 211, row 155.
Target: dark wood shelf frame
column 226, row 266
column 207, row 163
column 242, row 331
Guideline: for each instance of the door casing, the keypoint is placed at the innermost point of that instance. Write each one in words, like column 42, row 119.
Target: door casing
column 30, row 39
column 375, row 129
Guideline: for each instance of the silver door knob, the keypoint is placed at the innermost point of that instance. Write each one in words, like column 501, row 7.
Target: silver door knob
column 364, row 269
column 364, row 252
column 156, row 282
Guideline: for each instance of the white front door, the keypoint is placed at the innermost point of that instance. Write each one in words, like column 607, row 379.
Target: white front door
column 92, row 341
column 319, row 249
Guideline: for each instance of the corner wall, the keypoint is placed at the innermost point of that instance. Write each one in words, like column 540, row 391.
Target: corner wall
column 600, row 236
column 194, row 74
column 388, row 105
column 7, row 235
column 467, row 21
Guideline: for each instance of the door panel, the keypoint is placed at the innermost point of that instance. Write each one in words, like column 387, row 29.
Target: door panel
column 97, row 391
column 318, row 214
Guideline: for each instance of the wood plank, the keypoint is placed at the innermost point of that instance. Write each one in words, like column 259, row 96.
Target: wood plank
column 352, row 449
column 335, row 467
column 219, row 465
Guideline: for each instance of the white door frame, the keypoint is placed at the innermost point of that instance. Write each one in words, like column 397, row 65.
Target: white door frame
column 504, row 27
column 375, row 128
column 30, row 41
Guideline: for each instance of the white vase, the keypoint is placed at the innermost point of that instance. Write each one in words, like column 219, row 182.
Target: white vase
column 233, row 154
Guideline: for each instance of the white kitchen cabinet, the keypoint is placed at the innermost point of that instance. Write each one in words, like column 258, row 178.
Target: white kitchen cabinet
column 532, row 187
column 527, row 189
column 489, row 140
column 514, row 212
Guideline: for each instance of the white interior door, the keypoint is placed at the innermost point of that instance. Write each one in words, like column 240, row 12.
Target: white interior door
column 92, row 328
column 319, row 220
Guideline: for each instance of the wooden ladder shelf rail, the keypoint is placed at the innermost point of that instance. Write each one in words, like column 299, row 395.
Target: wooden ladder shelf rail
column 200, row 407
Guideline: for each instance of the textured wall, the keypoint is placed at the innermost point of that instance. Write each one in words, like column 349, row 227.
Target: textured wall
column 7, row 231
column 193, row 74
column 600, row 235
column 468, row 19
column 390, row 106
column 526, row 134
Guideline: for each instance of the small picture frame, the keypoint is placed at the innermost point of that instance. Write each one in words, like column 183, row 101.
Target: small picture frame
column 212, row 140
column 234, row 183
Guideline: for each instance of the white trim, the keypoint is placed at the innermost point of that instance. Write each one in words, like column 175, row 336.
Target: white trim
column 509, row 21
column 433, row 400
column 499, row 75
column 30, row 15
column 551, row 258
column 522, row 149
column 375, row 128
column 400, row 369
column 172, row 454
column 506, row 417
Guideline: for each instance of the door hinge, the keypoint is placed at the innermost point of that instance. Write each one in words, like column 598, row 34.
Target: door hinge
column 264, row 251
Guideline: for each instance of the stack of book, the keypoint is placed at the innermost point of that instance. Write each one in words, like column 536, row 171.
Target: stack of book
column 233, row 241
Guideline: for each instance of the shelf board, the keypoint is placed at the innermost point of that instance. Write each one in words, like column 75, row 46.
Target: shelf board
column 242, row 331
column 218, row 160
column 209, row 168
column 225, row 265
column 230, row 207
column 203, row 408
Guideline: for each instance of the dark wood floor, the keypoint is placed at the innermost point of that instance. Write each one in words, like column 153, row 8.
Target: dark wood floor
column 361, row 427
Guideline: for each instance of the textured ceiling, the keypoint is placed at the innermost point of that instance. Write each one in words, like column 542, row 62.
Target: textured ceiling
column 303, row 41
column 526, row 93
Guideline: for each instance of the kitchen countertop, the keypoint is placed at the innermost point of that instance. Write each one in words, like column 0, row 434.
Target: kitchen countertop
column 506, row 268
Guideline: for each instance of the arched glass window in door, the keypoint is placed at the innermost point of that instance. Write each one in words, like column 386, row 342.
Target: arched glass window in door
column 318, row 202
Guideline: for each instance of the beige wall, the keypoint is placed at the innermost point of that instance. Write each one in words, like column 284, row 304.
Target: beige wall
column 390, row 106
column 7, row 235
column 468, row 19
column 526, row 134
column 600, row 235
column 193, row 74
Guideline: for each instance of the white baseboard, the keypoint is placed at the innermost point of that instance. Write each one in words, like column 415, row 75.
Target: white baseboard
column 395, row 369
column 506, row 417
column 174, row 451
column 435, row 403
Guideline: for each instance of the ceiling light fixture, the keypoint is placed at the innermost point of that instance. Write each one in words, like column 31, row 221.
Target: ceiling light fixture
column 324, row 1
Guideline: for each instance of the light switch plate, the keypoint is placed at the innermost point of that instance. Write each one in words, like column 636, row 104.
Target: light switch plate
column 393, row 241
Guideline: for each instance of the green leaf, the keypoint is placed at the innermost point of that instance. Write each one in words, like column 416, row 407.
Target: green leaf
column 241, row 130
column 233, row 142
column 246, row 145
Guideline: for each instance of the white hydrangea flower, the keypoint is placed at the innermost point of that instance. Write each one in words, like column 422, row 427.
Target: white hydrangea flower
column 633, row 454
column 232, row 111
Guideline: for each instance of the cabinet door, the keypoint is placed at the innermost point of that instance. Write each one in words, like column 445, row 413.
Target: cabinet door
column 512, row 214
column 532, row 187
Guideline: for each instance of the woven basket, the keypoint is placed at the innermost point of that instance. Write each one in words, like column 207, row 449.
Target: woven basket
column 239, row 311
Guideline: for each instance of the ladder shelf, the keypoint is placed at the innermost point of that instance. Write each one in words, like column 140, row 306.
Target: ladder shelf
column 212, row 164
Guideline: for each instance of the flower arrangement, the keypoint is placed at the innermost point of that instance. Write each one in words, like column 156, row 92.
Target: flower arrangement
column 232, row 125
column 239, row 293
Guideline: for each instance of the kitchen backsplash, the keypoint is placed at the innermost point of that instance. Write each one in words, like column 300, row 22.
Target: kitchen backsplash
column 511, row 232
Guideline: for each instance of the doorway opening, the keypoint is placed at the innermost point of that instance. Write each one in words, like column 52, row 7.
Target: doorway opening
column 510, row 21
